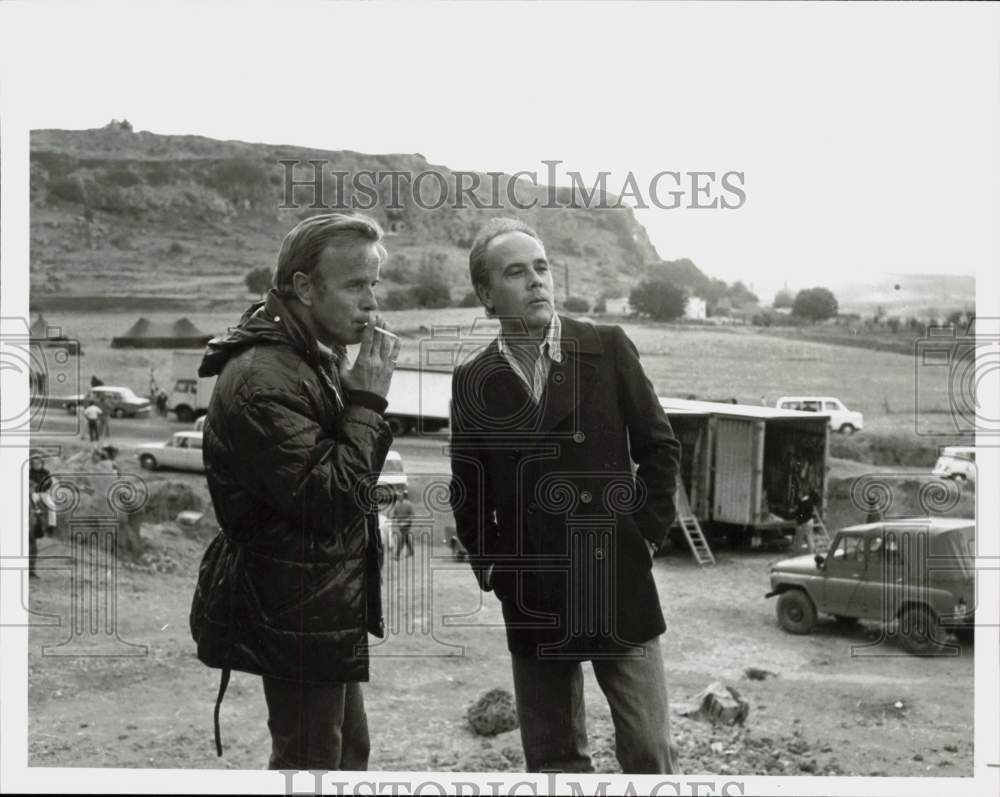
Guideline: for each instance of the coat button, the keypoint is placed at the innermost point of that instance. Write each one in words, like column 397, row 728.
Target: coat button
column 586, row 497
column 579, row 437
column 532, row 507
column 599, row 553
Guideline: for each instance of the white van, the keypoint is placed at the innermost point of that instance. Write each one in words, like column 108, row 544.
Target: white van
column 842, row 419
column 956, row 462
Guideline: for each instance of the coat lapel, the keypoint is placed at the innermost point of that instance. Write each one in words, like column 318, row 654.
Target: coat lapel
column 508, row 405
column 506, row 399
column 573, row 378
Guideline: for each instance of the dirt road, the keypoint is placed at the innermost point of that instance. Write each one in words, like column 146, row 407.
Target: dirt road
column 832, row 709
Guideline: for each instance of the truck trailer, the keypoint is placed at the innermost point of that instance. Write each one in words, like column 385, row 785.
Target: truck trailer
column 190, row 394
column 745, row 467
column 419, row 400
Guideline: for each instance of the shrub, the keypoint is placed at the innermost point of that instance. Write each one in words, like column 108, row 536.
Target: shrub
column 398, row 269
column 122, row 177
column 886, row 449
column 258, row 280
column 158, row 173
column 659, row 299
column 576, row 304
column 815, row 304
column 431, row 289
column 782, row 299
column 399, row 299
column 68, row 189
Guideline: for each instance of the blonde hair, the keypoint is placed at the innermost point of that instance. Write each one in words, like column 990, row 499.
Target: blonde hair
column 305, row 243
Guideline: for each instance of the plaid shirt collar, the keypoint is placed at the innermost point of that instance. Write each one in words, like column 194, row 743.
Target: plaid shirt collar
column 550, row 343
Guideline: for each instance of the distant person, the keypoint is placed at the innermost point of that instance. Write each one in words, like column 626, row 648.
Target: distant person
column 402, row 516
column 93, row 415
column 104, row 422
column 43, row 519
column 161, row 402
column 805, row 509
column 293, row 428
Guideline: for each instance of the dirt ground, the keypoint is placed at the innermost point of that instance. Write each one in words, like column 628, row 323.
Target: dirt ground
column 828, row 711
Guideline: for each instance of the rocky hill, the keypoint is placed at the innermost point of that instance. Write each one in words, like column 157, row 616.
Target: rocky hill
column 129, row 218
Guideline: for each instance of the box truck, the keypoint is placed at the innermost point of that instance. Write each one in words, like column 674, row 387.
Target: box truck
column 419, row 398
column 190, row 394
column 744, row 467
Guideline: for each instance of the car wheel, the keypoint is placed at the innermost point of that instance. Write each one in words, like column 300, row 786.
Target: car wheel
column 398, row 426
column 184, row 414
column 148, row 461
column 117, row 412
column 796, row 612
column 71, row 409
column 847, row 429
column 920, row 631
column 966, row 634
column 845, row 620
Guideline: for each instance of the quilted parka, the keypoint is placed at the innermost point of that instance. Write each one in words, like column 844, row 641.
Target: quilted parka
column 290, row 586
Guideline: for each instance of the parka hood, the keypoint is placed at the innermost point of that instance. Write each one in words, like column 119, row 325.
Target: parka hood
column 265, row 322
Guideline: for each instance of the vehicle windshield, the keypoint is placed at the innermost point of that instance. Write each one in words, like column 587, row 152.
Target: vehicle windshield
column 956, row 542
column 393, row 466
column 967, row 456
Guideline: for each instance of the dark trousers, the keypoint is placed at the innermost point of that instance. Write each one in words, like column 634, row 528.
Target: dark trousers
column 94, row 430
column 405, row 538
column 316, row 726
column 553, row 718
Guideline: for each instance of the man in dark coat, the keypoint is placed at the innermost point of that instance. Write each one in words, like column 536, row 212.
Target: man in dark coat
column 547, row 422
column 293, row 444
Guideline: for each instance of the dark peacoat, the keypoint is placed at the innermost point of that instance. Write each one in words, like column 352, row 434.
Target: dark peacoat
column 546, row 499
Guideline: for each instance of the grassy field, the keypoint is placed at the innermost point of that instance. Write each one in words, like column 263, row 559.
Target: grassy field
column 681, row 360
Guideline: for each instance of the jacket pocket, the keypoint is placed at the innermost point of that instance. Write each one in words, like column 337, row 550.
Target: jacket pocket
column 287, row 593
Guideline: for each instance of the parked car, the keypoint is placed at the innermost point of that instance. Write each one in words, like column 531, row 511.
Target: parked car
column 957, row 463
column 122, row 401
column 182, row 451
column 918, row 574
column 842, row 419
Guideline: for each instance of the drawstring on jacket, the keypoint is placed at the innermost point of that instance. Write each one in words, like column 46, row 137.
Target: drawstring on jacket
column 223, row 683
column 226, row 671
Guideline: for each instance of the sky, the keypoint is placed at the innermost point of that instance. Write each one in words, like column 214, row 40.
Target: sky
column 866, row 134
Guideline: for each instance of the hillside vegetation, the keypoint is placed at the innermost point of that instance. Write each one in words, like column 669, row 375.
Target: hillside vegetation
column 119, row 214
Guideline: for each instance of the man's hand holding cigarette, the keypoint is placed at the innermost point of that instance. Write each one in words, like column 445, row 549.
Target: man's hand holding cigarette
column 372, row 368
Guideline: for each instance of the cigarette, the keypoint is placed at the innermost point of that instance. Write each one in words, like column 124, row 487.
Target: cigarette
column 386, row 332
